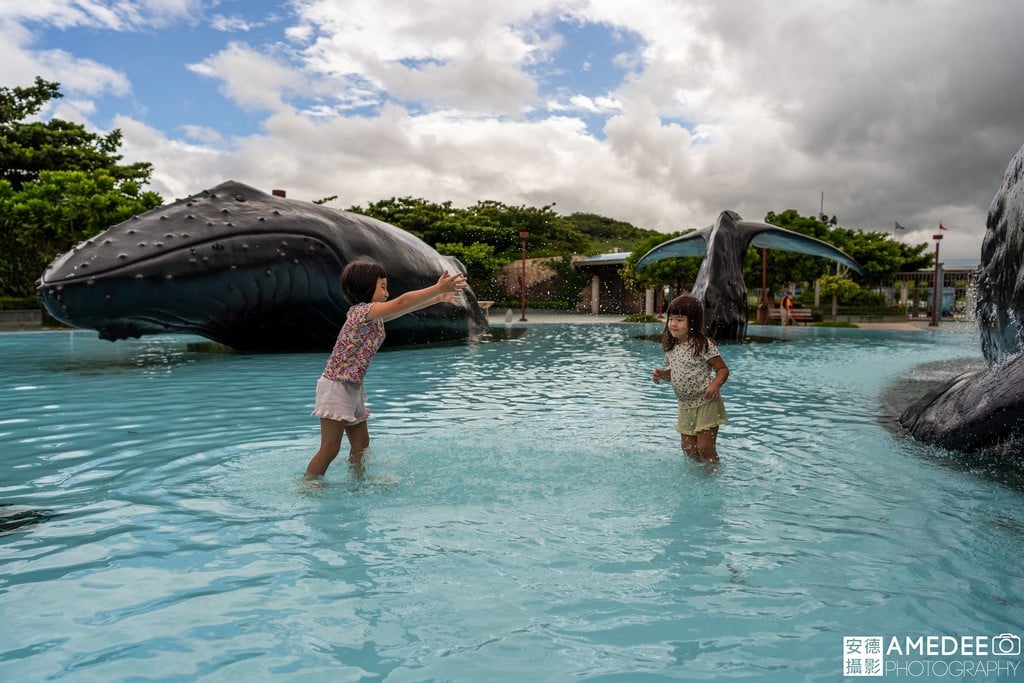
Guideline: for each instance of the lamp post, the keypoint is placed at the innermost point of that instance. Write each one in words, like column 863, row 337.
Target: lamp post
column 762, row 309
column 522, row 282
column 935, row 285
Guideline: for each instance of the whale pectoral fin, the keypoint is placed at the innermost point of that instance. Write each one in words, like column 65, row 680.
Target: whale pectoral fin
column 787, row 240
column 690, row 244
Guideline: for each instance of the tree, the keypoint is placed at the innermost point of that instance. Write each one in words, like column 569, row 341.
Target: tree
column 28, row 148
column 838, row 288
column 59, row 185
column 678, row 273
column 877, row 252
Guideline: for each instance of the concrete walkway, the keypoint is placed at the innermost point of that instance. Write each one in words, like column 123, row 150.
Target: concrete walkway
column 501, row 317
column 540, row 317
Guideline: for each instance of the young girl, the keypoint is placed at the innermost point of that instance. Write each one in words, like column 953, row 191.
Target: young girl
column 340, row 399
column 690, row 356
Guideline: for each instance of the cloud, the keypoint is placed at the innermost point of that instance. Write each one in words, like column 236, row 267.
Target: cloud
column 251, row 79
column 673, row 113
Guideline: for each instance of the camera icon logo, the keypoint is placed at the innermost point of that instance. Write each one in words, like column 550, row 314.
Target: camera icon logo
column 1006, row 645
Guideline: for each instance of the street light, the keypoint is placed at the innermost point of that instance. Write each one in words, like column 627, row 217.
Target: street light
column 522, row 282
column 762, row 309
column 935, row 285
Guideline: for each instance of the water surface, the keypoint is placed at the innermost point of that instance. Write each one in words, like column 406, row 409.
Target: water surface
column 525, row 513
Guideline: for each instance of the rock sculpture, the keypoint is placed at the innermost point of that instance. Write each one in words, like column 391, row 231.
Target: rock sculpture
column 982, row 408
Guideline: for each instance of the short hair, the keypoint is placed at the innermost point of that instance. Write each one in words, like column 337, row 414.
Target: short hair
column 359, row 281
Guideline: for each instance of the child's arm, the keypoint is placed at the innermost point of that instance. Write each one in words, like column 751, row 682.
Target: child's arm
column 721, row 374
column 446, row 289
column 662, row 373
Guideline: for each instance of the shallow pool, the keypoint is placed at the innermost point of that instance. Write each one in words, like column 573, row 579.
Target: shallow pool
column 525, row 514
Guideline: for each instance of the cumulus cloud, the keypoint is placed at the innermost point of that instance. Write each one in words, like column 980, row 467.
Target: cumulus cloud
column 689, row 109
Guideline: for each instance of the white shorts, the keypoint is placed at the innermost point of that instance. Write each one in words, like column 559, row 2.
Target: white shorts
column 340, row 401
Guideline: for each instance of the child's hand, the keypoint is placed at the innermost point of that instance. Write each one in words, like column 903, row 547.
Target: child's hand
column 452, row 298
column 711, row 393
column 451, row 283
column 660, row 374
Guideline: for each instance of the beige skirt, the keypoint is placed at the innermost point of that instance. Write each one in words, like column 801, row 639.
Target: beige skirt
column 707, row 415
column 340, row 401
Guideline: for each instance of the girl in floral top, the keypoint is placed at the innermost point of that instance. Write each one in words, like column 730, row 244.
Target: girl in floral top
column 691, row 356
column 340, row 399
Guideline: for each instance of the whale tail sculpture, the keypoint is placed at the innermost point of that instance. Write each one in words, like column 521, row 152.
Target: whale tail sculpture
column 719, row 283
column 982, row 408
column 250, row 270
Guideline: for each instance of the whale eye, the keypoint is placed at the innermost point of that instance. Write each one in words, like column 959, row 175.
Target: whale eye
column 239, row 197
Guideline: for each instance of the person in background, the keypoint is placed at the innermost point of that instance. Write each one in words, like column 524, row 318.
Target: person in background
column 786, row 308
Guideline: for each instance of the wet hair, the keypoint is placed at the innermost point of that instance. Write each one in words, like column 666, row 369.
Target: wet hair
column 359, row 281
column 694, row 312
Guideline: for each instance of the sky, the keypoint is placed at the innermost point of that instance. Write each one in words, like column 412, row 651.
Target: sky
column 661, row 113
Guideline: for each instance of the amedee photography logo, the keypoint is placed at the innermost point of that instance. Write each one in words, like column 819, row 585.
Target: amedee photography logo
column 976, row 656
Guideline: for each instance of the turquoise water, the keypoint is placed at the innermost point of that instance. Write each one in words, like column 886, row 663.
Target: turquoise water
column 525, row 514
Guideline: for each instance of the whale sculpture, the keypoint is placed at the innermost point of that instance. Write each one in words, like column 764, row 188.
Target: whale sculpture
column 719, row 283
column 254, row 271
column 982, row 408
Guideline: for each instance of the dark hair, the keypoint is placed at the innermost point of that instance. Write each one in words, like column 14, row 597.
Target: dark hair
column 694, row 312
column 359, row 281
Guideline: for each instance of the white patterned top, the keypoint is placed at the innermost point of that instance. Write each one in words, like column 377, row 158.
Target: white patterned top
column 691, row 374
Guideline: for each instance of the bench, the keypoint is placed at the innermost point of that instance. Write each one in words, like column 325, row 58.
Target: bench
column 796, row 315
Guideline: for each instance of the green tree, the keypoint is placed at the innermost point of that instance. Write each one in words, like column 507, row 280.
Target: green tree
column 838, row 288
column 480, row 262
column 59, row 185
column 877, row 252
column 677, row 273
column 29, row 147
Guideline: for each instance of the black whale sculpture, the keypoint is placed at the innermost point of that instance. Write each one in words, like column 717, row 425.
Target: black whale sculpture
column 719, row 283
column 250, row 270
column 983, row 408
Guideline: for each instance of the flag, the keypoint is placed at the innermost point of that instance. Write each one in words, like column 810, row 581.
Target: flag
column 942, row 227
column 898, row 226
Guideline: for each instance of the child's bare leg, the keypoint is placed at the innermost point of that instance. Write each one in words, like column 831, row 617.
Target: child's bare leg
column 689, row 444
column 707, row 445
column 358, row 441
column 331, row 432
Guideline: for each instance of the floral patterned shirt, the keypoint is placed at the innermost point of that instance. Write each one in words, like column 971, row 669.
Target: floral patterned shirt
column 691, row 374
column 357, row 344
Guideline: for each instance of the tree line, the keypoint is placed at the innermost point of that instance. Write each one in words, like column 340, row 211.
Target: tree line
column 61, row 184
